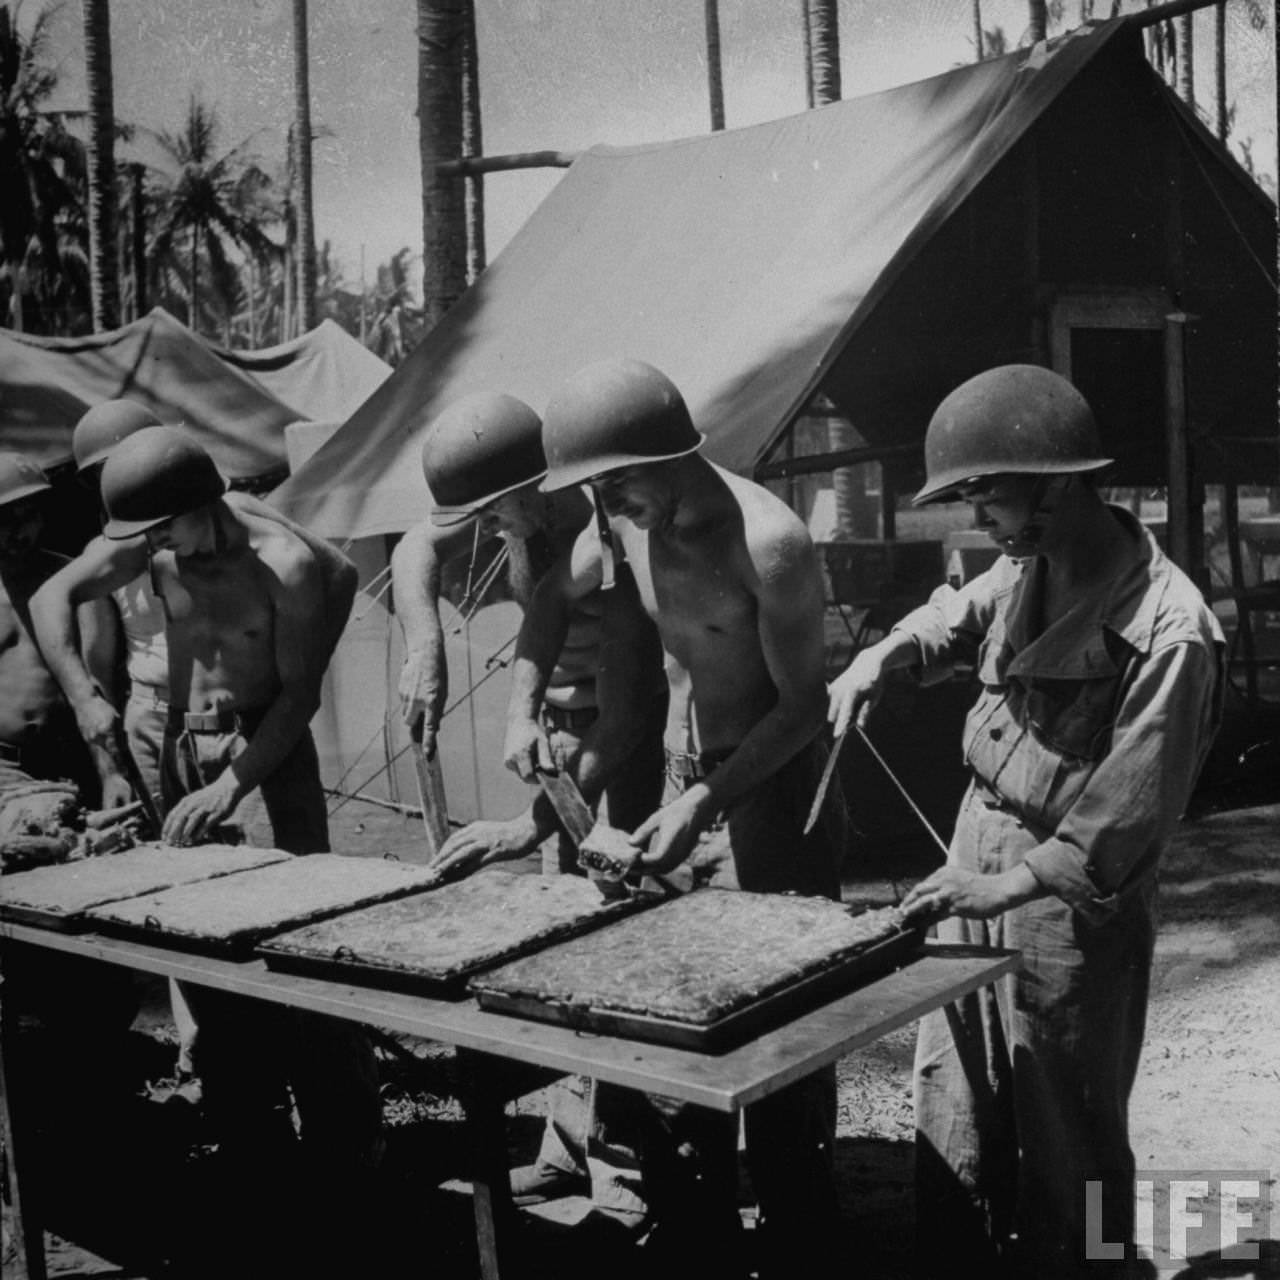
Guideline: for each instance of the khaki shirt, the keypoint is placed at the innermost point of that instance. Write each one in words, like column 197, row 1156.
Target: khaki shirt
column 1094, row 730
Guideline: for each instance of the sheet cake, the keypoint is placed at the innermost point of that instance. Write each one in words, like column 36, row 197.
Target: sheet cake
column 237, row 911
column 58, row 896
column 439, row 937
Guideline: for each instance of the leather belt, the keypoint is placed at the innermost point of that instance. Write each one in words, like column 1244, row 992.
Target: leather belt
column 569, row 719
column 684, row 766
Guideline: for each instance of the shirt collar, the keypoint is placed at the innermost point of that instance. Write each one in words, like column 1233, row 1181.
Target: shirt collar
column 1075, row 647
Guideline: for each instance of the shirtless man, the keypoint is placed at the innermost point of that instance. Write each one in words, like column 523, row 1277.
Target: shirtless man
column 729, row 575
column 37, row 730
column 90, row 683
column 482, row 461
column 247, row 640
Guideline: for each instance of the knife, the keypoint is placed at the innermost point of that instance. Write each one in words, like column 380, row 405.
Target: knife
column 570, row 807
column 825, row 781
column 435, row 812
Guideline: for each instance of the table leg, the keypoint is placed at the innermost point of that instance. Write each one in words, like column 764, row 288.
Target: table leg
column 28, row 1230
column 482, row 1098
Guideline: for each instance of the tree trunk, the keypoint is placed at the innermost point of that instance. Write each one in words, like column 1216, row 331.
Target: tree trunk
column 824, row 57
column 472, row 145
column 104, row 282
column 138, row 239
column 1220, row 69
column 302, row 141
column 1037, row 20
column 715, row 82
column 1186, row 61
column 193, row 291
column 441, row 36
column 978, row 51
column 808, row 55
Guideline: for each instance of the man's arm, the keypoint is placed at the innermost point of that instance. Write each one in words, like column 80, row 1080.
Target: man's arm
column 338, row 576
column 57, row 610
column 298, row 605
column 781, row 571
column 416, row 564
column 542, row 634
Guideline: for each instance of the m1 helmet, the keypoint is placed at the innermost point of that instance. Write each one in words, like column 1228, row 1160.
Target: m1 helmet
column 615, row 413
column 479, row 449
column 154, row 475
column 101, row 428
column 20, row 477
column 1014, row 419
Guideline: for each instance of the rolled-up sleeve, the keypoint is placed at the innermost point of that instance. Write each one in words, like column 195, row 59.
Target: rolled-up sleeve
column 1113, row 832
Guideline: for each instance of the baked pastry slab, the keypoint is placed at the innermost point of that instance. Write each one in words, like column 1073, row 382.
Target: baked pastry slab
column 704, row 970
column 431, row 942
column 57, row 897
column 232, row 914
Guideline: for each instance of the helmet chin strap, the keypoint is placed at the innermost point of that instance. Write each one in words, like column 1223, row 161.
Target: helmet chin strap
column 1045, row 496
column 607, row 574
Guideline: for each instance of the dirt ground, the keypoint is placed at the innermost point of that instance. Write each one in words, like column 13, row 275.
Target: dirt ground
column 1207, row 1099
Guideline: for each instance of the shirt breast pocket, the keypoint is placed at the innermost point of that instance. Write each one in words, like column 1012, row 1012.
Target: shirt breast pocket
column 1073, row 717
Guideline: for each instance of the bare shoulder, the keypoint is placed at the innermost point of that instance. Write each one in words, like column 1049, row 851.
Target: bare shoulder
column 281, row 550
column 776, row 538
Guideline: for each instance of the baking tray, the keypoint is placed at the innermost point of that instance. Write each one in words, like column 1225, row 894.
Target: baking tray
column 57, row 897
column 431, row 943
column 826, row 960
column 231, row 915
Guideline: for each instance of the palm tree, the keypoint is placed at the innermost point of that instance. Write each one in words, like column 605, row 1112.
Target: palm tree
column 1037, row 21
column 824, row 50
column 472, row 145
column 715, row 83
column 212, row 206
column 43, row 258
column 103, row 272
column 1186, row 61
column 441, row 41
column 306, row 234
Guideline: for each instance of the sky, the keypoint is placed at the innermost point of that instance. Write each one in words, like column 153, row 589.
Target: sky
column 554, row 75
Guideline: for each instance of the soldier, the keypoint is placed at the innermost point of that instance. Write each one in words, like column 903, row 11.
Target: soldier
column 482, row 460
column 730, row 578
column 248, row 641
column 1101, row 677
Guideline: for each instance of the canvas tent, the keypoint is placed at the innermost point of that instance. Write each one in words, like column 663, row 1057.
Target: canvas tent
column 46, row 384
column 880, row 250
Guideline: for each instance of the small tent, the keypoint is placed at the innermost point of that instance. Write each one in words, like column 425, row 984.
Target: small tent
column 46, row 384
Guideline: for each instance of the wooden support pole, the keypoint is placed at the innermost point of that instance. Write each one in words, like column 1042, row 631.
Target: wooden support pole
column 471, row 166
column 1177, row 446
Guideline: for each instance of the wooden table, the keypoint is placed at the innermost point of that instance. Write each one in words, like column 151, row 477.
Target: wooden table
column 723, row 1082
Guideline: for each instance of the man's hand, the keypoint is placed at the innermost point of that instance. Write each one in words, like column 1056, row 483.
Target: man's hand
column 526, row 750
column 117, row 790
column 99, row 723
column 954, row 891
column 416, row 687
column 673, row 830
column 856, row 691
column 193, row 815
column 482, row 843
